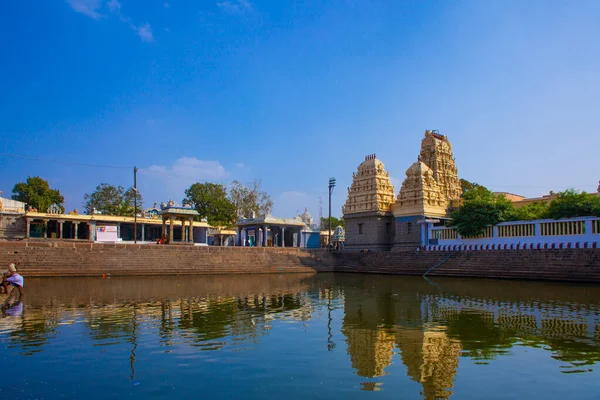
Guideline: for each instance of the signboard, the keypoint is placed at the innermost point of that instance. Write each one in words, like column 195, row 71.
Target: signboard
column 106, row 233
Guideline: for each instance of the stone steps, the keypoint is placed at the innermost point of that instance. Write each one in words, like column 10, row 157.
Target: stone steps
column 47, row 258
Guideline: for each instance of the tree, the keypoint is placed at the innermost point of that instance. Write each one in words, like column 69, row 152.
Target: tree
column 36, row 192
column 571, row 203
column 211, row 202
column 468, row 186
column 128, row 199
column 249, row 198
column 480, row 209
column 112, row 200
column 537, row 210
column 335, row 222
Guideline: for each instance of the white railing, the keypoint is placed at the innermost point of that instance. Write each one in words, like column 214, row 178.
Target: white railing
column 572, row 230
column 516, row 230
column 562, row 228
column 444, row 234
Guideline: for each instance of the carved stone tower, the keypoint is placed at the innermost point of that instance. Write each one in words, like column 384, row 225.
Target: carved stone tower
column 430, row 184
column 420, row 193
column 436, row 153
column 368, row 209
column 371, row 189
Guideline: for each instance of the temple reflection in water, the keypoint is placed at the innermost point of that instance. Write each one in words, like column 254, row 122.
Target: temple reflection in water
column 427, row 328
column 432, row 326
column 376, row 322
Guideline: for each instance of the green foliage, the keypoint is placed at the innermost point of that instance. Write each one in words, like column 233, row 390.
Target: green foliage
column 479, row 193
column 36, row 192
column 472, row 217
column 571, row 203
column 211, row 202
column 335, row 222
column 480, row 209
column 112, row 200
column 468, row 186
column 537, row 210
column 250, row 198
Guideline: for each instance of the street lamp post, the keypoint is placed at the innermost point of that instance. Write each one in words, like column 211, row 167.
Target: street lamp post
column 331, row 186
column 135, row 194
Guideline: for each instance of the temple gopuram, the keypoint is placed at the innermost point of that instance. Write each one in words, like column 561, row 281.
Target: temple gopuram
column 368, row 211
column 377, row 220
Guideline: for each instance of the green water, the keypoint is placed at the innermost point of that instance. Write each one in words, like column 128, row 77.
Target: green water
column 295, row 336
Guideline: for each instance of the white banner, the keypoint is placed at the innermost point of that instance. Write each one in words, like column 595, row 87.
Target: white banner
column 106, row 233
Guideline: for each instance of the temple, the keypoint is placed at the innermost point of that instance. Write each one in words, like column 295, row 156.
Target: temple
column 17, row 221
column 430, row 185
column 376, row 220
column 368, row 211
column 270, row 231
column 185, row 214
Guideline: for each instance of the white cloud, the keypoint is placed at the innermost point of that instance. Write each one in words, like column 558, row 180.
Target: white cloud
column 235, row 6
column 163, row 182
column 191, row 168
column 144, row 32
column 239, row 165
column 87, row 7
column 114, row 6
column 91, row 9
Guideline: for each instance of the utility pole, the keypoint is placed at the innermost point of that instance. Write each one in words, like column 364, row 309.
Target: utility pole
column 331, row 186
column 135, row 193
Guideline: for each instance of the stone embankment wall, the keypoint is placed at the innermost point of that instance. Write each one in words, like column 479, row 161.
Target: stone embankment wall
column 575, row 265
column 62, row 258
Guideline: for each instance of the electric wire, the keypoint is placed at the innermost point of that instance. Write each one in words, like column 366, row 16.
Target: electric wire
column 63, row 162
column 173, row 175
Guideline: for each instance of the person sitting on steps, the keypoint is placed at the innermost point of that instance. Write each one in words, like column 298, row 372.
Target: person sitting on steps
column 12, row 278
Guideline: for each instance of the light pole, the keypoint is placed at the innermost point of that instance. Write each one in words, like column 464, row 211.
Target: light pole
column 331, row 186
column 135, row 194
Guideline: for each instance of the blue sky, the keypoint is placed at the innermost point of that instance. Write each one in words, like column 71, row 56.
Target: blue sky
column 295, row 92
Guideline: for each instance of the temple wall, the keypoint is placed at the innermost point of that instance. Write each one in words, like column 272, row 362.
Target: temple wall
column 407, row 236
column 12, row 226
column 377, row 231
column 566, row 232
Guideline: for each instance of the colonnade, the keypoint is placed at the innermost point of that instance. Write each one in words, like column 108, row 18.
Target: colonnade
column 187, row 233
column 49, row 228
column 261, row 236
column 60, row 231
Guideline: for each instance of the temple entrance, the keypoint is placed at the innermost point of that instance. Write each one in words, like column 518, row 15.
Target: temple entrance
column 83, row 230
column 289, row 237
column 127, row 232
column 36, row 229
column 52, row 229
column 68, row 230
column 152, row 233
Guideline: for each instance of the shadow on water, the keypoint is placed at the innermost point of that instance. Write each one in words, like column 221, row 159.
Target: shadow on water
column 374, row 322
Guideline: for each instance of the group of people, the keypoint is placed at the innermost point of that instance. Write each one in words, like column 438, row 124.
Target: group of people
column 12, row 279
